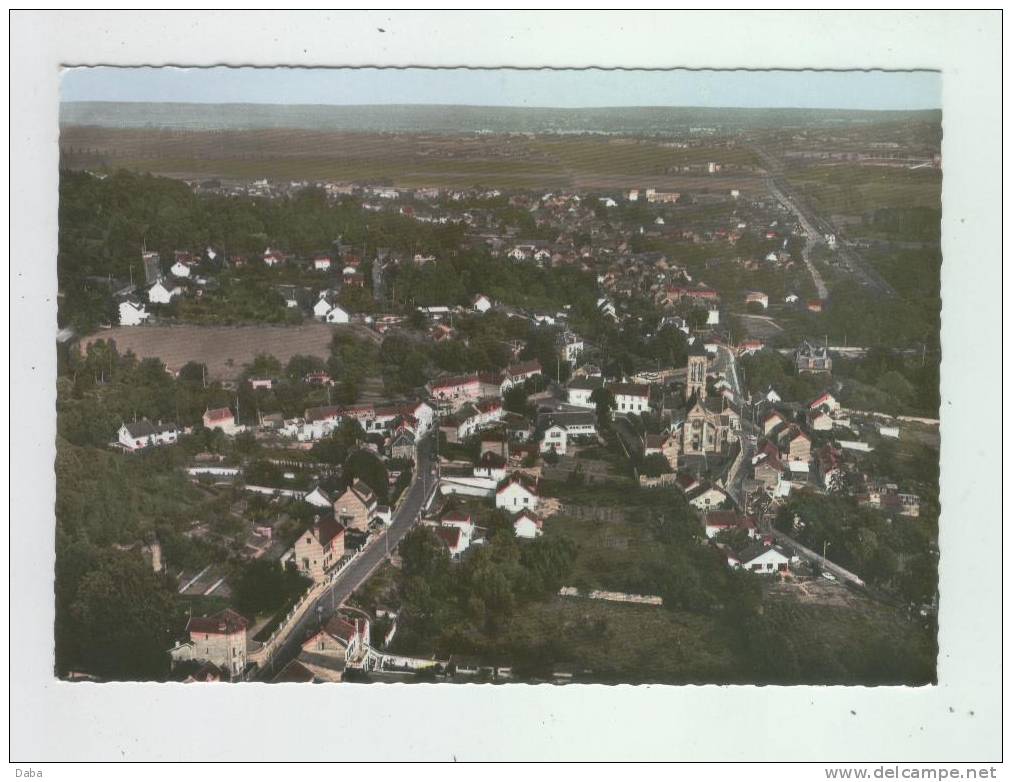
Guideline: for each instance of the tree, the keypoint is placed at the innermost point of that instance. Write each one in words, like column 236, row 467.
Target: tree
column 368, row 468
column 604, row 403
column 263, row 586
column 655, row 465
column 122, row 619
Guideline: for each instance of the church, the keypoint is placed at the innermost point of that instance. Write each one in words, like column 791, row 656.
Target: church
column 703, row 425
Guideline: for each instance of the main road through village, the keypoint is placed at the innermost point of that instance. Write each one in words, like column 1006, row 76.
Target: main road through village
column 360, row 568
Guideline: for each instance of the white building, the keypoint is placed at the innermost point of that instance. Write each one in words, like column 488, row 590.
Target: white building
column 163, row 293
column 132, row 313
column 144, row 434
column 482, row 303
column 517, row 493
column 555, row 439
column 180, row 269
column 580, row 390
column 337, row 315
column 527, row 525
column 630, row 397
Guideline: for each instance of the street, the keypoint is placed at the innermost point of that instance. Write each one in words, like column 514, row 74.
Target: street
column 816, row 227
column 363, row 566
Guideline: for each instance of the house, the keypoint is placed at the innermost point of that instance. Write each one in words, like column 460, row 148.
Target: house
column 812, row 358
column 221, row 418
column 760, row 558
column 772, row 420
column 402, row 445
column 455, row 389
column 717, row 521
column 142, row 434
column 825, row 402
column 180, row 269
column 319, row 498
column 769, row 471
column 707, row 497
column 454, row 540
column 356, row 507
column 527, row 525
column 814, row 305
column 757, row 297
column 772, row 396
column 339, row 643
column 794, row 444
column 580, row 389
column 219, row 639
column 459, row 520
column 324, row 304
column 516, row 493
column 322, row 263
column 517, row 374
column 195, row 671
column 481, row 303
column 570, row 346
column 664, row 444
column 819, row 421
column 337, row 315
column 630, row 397
column 273, row 258
column 132, row 313
column 319, row 548
column 163, row 293
column 554, row 439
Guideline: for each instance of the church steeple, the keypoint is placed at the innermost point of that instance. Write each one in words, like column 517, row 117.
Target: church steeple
column 695, row 377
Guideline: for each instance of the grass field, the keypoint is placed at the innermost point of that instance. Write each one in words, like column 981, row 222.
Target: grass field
column 406, row 159
column 224, row 349
column 856, row 190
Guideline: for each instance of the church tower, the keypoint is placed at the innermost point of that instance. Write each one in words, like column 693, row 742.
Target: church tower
column 695, row 378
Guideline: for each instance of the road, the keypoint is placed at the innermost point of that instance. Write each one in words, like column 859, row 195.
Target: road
column 363, row 566
column 725, row 363
column 817, row 227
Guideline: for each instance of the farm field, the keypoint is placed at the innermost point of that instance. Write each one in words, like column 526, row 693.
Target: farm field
column 224, row 349
column 853, row 190
column 409, row 160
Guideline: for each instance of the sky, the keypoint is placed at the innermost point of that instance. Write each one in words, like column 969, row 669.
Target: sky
column 561, row 89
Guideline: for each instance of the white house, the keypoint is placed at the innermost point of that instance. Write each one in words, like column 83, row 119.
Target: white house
column 630, row 397
column 554, row 439
column 319, row 498
column 708, row 498
column 527, row 525
column 482, row 303
column 180, row 269
column 144, row 434
column 712, row 316
column 132, row 313
column 772, row 396
column 764, row 559
column 579, row 391
column 337, row 315
column 517, row 493
column 163, row 293
column 321, row 263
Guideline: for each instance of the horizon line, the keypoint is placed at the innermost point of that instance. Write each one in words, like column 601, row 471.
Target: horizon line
column 501, row 106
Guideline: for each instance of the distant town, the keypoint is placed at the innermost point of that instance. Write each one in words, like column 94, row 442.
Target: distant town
column 680, row 431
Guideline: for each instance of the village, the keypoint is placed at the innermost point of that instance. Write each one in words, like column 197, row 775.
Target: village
column 460, row 367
